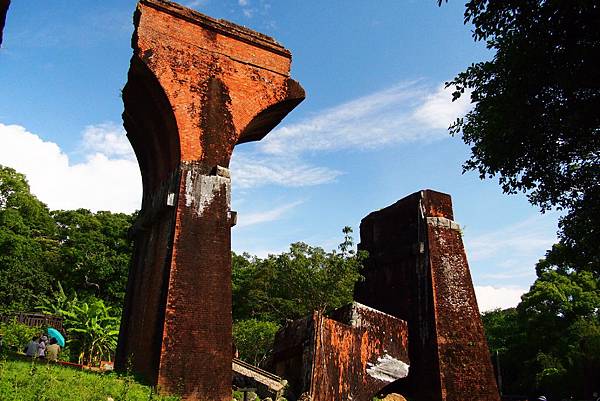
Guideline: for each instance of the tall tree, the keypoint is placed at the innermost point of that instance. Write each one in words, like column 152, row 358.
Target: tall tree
column 27, row 245
column 268, row 292
column 550, row 344
column 535, row 126
column 86, row 252
column 535, row 123
column 560, row 317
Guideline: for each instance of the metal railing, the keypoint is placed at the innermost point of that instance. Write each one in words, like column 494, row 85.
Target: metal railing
column 34, row 319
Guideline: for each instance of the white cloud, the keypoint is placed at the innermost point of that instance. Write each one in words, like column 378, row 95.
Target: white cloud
column 250, row 219
column 108, row 178
column 108, row 139
column 247, row 10
column 489, row 297
column 100, row 182
column 505, row 257
column 406, row 112
column 195, row 3
column 521, row 243
column 252, row 172
column 438, row 111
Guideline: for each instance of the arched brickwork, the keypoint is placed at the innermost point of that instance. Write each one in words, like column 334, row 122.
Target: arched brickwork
column 196, row 88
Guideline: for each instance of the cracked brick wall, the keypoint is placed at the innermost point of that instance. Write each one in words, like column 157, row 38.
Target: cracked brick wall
column 417, row 270
column 351, row 355
column 196, row 88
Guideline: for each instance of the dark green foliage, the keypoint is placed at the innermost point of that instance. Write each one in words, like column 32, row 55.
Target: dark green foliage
column 560, row 316
column 551, row 342
column 87, row 252
column 94, row 253
column 507, row 341
column 535, row 126
column 27, row 246
column 15, row 335
column 535, row 123
column 580, row 233
column 502, row 329
column 21, row 211
column 294, row 283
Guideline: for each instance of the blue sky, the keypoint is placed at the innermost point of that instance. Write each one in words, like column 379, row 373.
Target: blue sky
column 371, row 131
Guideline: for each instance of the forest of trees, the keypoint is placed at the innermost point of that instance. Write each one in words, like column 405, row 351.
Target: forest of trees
column 76, row 263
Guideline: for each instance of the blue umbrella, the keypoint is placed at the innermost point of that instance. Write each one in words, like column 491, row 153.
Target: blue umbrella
column 60, row 340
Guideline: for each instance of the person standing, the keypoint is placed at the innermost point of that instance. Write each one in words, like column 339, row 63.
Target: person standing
column 42, row 347
column 32, row 348
column 52, row 350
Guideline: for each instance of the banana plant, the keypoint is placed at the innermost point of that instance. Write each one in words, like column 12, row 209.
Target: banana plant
column 91, row 326
column 92, row 330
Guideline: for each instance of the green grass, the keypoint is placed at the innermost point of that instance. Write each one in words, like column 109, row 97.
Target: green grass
column 40, row 381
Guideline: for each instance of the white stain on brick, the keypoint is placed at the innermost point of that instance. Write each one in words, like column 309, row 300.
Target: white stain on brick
column 388, row 369
column 189, row 189
column 443, row 222
column 200, row 193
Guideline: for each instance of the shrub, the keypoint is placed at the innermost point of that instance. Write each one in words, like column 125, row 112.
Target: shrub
column 15, row 335
column 254, row 340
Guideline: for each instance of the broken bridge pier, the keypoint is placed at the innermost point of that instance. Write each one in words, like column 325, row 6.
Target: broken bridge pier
column 196, row 88
column 417, row 271
column 350, row 354
column 414, row 328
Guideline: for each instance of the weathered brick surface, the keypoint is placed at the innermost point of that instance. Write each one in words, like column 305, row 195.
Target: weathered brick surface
column 196, row 87
column 3, row 10
column 351, row 355
column 417, row 271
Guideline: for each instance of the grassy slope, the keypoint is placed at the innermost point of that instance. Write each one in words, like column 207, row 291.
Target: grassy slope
column 27, row 381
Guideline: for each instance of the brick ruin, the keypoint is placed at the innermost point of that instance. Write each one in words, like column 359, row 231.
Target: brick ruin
column 417, row 282
column 417, row 271
column 3, row 10
column 196, row 88
column 350, row 355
